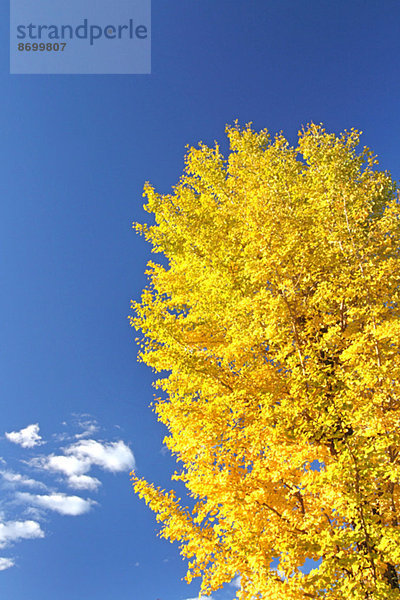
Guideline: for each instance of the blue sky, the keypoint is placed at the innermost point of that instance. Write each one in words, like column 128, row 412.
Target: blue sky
column 75, row 153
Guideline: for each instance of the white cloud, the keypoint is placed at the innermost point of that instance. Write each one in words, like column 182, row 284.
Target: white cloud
column 27, row 437
column 84, row 482
column 6, row 563
column 201, row 598
column 73, row 460
column 61, row 437
column 13, row 531
column 61, row 503
column 68, row 465
column 114, row 456
column 80, row 457
column 90, row 427
column 72, row 467
column 34, row 512
column 18, row 479
column 236, row 582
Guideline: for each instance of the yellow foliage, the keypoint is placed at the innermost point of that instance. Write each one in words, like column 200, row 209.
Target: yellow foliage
column 277, row 322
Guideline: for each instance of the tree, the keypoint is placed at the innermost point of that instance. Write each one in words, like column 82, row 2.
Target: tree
column 275, row 327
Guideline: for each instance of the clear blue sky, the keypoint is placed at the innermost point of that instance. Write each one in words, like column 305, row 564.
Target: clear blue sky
column 75, row 153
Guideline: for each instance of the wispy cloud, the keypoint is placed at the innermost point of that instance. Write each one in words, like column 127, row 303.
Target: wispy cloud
column 89, row 426
column 201, row 598
column 27, row 437
column 68, row 465
column 26, row 500
column 114, row 457
column 80, row 457
column 84, row 482
column 6, row 563
column 58, row 502
column 18, row 479
column 236, row 582
column 13, row 531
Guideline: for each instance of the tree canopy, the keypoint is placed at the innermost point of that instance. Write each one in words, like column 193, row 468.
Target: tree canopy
column 274, row 325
